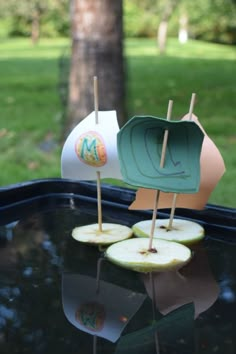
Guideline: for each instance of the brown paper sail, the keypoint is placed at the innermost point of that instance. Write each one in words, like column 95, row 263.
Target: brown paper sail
column 212, row 169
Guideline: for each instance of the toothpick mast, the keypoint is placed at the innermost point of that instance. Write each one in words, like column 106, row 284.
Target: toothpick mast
column 162, row 161
column 94, row 344
column 173, row 207
column 154, row 306
column 99, row 198
column 95, row 90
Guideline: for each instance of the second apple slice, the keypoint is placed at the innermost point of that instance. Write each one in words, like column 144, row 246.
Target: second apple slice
column 182, row 231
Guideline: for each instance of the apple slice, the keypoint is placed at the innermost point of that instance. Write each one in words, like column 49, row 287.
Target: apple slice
column 110, row 233
column 183, row 231
column 135, row 255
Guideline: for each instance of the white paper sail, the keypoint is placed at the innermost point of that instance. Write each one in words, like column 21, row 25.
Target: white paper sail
column 92, row 147
column 103, row 314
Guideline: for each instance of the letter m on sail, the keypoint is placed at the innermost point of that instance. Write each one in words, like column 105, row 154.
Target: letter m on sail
column 89, row 148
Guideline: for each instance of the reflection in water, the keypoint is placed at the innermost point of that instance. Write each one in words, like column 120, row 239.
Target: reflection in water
column 99, row 308
column 27, row 237
column 40, row 252
column 178, row 297
column 169, row 292
column 194, row 283
column 28, row 264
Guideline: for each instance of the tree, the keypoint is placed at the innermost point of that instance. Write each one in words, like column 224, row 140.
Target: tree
column 166, row 9
column 140, row 18
column 28, row 17
column 97, row 50
column 212, row 20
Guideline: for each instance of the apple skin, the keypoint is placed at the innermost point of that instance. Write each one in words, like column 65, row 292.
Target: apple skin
column 134, row 254
column 183, row 231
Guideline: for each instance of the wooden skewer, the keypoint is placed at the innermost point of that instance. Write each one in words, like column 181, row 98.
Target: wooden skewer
column 166, row 134
column 162, row 161
column 99, row 266
column 94, row 344
column 154, row 213
column 173, row 207
column 172, row 213
column 99, row 193
column 192, row 103
column 95, row 90
column 99, row 201
column 154, row 306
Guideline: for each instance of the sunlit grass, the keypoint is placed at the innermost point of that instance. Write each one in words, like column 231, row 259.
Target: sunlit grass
column 24, row 48
column 191, row 49
column 31, row 111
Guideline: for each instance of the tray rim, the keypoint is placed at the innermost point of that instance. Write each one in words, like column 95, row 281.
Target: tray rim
column 15, row 195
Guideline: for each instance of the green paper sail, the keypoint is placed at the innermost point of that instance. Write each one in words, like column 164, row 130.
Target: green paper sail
column 139, row 145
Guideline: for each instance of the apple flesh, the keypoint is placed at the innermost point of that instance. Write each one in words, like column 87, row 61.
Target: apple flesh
column 134, row 254
column 109, row 234
column 182, row 231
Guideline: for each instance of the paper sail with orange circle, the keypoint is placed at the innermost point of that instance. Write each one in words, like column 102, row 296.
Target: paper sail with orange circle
column 104, row 313
column 91, row 147
column 212, row 168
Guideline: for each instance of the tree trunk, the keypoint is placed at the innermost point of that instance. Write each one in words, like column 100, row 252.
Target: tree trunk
column 35, row 27
column 183, row 28
column 167, row 7
column 162, row 36
column 96, row 51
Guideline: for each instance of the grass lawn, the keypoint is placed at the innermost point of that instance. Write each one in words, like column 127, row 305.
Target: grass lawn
column 31, row 111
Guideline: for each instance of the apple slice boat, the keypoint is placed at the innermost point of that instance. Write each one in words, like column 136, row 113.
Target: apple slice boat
column 182, row 231
column 134, row 254
column 109, row 234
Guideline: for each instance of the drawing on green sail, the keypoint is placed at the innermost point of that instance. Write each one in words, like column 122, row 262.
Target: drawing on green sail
column 139, row 144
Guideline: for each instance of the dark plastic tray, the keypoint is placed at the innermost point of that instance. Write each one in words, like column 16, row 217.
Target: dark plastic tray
column 37, row 251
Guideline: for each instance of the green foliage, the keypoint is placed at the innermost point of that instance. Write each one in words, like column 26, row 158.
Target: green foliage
column 210, row 20
column 140, row 20
column 53, row 16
